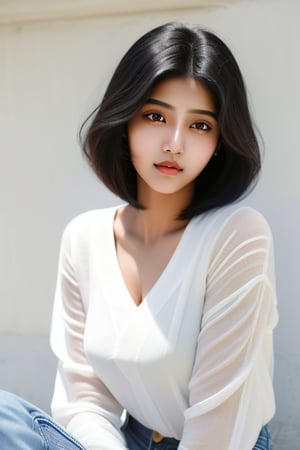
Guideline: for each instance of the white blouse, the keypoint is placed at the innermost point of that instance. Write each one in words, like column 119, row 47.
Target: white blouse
column 193, row 361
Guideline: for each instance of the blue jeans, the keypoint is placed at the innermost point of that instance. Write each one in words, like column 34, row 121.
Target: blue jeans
column 139, row 437
column 25, row 427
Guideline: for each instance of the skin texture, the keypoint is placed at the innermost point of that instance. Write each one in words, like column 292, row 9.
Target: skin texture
column 173, row 130
column 171, row 140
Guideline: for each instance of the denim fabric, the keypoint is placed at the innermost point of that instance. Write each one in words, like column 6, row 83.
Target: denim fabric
column 264, row 440
column 139, row 437
column 25, row 427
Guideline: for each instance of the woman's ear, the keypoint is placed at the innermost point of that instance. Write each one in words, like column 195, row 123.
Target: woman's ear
column 218, row 148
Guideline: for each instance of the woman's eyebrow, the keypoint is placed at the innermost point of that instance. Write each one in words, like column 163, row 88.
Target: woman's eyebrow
column 204, row 111
column 154, row 101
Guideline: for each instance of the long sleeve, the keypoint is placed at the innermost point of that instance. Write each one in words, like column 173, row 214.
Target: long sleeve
column 81, row 402
column 232, row 374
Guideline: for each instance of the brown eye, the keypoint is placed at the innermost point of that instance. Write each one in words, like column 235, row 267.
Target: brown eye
column 155, row 117
column 202, row 126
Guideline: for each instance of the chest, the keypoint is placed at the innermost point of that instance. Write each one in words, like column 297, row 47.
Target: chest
column 146, row 301
column 142, row 266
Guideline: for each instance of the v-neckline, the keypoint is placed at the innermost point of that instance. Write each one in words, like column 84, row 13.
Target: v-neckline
column 175, row 259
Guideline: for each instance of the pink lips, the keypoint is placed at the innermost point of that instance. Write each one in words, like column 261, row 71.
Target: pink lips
column 168, row 167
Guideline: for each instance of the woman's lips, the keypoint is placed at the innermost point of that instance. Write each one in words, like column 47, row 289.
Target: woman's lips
column 168, row 167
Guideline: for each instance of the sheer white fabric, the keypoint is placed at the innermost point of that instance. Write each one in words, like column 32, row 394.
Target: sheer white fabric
column 193, row 361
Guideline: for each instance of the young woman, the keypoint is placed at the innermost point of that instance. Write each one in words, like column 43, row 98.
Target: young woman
column 165, row 305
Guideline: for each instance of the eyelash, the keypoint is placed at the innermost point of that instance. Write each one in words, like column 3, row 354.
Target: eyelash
column 148, row 116
column 160, row 118
column 204, row 126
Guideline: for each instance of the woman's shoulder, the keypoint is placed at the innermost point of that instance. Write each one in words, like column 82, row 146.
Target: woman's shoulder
column 84, row 225
column 245, row 222
column 238, row 232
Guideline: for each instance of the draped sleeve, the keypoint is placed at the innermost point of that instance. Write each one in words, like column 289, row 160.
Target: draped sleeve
column 81, row 401
column 230, row 391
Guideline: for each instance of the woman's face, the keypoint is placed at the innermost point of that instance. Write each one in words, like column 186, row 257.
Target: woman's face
column 174, row 135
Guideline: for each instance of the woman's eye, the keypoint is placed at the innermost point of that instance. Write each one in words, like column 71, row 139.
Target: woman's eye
column 201, row 126
column 155, row 117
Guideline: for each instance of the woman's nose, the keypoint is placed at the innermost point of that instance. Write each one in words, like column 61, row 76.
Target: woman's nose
column 174, row 142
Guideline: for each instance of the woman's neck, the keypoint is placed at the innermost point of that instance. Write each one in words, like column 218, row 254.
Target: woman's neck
column 158, row 219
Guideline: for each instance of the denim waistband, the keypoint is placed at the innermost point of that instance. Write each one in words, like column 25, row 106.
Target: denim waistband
column 140, row 437
column 146, row 435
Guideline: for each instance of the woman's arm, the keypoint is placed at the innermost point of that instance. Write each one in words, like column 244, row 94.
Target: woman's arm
column 231, row 394
column 81, row 402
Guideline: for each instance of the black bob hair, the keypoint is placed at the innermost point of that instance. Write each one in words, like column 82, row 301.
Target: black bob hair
column 176, row 50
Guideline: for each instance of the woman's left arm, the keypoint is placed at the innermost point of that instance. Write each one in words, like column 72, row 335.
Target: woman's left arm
column 230, row 392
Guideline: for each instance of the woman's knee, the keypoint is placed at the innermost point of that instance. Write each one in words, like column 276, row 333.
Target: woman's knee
column 14, row 412
column 10, row 404
column 17, row 429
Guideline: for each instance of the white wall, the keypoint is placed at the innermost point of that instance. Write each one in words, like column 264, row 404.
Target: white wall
column 52, row 73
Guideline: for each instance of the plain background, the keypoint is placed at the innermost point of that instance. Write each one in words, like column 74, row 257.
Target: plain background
column 53, row 71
